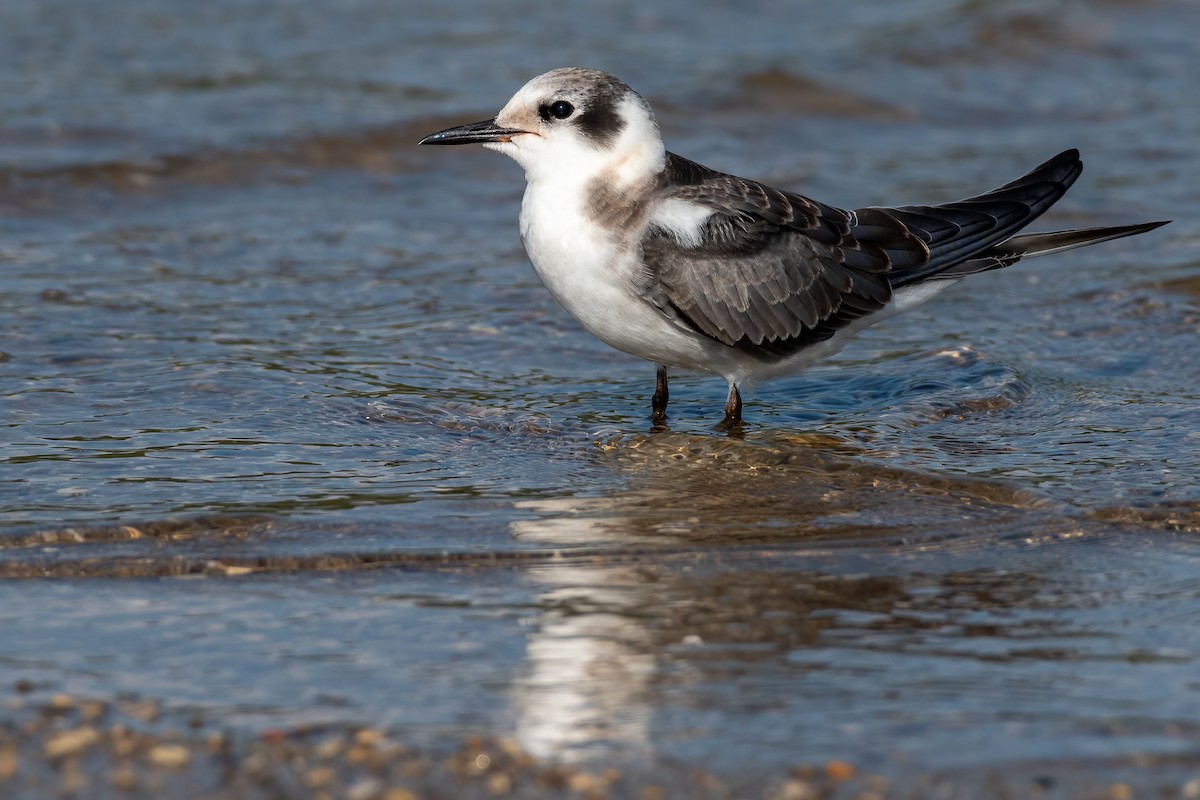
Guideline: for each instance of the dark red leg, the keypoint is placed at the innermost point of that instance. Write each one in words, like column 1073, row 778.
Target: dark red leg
column 733, row 408
column 658, row 403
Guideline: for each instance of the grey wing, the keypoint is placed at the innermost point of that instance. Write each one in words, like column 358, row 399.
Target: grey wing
column 774, row 272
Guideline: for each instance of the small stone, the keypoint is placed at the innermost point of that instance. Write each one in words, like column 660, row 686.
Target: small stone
column 839, row 771
column 256, row 764
column 74, row 781
column 330, row 748
column 8, row 762
column 169, row 756
column 368, row 737
column 122, row 741
column 1191, row 790
column 62, row 702
column 499, row 783
column 320, row 777
column 70, row 743
column 510, row 747
column 146, row 711
column 365, row 789
column 399, row 794
column 795, row 789
column 124, row 778
column 391, row 752
column 585, row 783
column 92, row 710
column 1120, row 791
column 413, row 768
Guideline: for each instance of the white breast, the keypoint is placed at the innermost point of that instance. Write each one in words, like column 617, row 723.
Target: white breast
column 597, row 278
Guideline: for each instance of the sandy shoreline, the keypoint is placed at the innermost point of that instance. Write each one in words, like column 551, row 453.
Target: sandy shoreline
column 69, row 747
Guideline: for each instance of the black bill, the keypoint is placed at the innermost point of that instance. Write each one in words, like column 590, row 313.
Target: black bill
column 485, row 131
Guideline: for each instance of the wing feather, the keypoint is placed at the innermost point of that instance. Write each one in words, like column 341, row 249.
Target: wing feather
column 774, row 271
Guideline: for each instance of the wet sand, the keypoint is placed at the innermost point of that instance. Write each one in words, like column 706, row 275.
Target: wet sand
column 68, row 747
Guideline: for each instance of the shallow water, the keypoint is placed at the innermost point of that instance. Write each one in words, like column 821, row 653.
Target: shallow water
column 291, row 434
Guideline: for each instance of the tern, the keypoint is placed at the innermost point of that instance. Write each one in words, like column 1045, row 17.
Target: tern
column 701, row 271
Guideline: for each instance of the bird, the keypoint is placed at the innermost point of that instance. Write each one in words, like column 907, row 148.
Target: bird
column 701, row 271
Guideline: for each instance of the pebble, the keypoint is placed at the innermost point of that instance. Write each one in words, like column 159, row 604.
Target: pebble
column 795, row 789
column 61, row 702
column 169, row 756
column 70, row 743
column 320, row 777
column 146, row 711
column 9, row 762
column 1120, row 791
column 124, row 778
column 499, row 783
column 586, row 783
column 73, row 779
column 365, row 789
column 122, row 741
column 330, row 748
column 368, row 737
column 92, row 710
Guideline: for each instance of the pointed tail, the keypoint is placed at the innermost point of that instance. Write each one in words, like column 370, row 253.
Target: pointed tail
column 981, row 233
column 1028, row 245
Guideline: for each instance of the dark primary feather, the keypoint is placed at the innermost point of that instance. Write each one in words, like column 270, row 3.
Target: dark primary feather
column 957, row 231
column 775, row 272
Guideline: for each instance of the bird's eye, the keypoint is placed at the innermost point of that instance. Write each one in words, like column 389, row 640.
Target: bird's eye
column 559, row 109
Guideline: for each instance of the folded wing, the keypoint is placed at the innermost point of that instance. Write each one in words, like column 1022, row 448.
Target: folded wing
column 774, row 272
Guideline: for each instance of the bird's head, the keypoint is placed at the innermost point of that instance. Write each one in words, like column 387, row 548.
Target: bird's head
column 571, row 122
